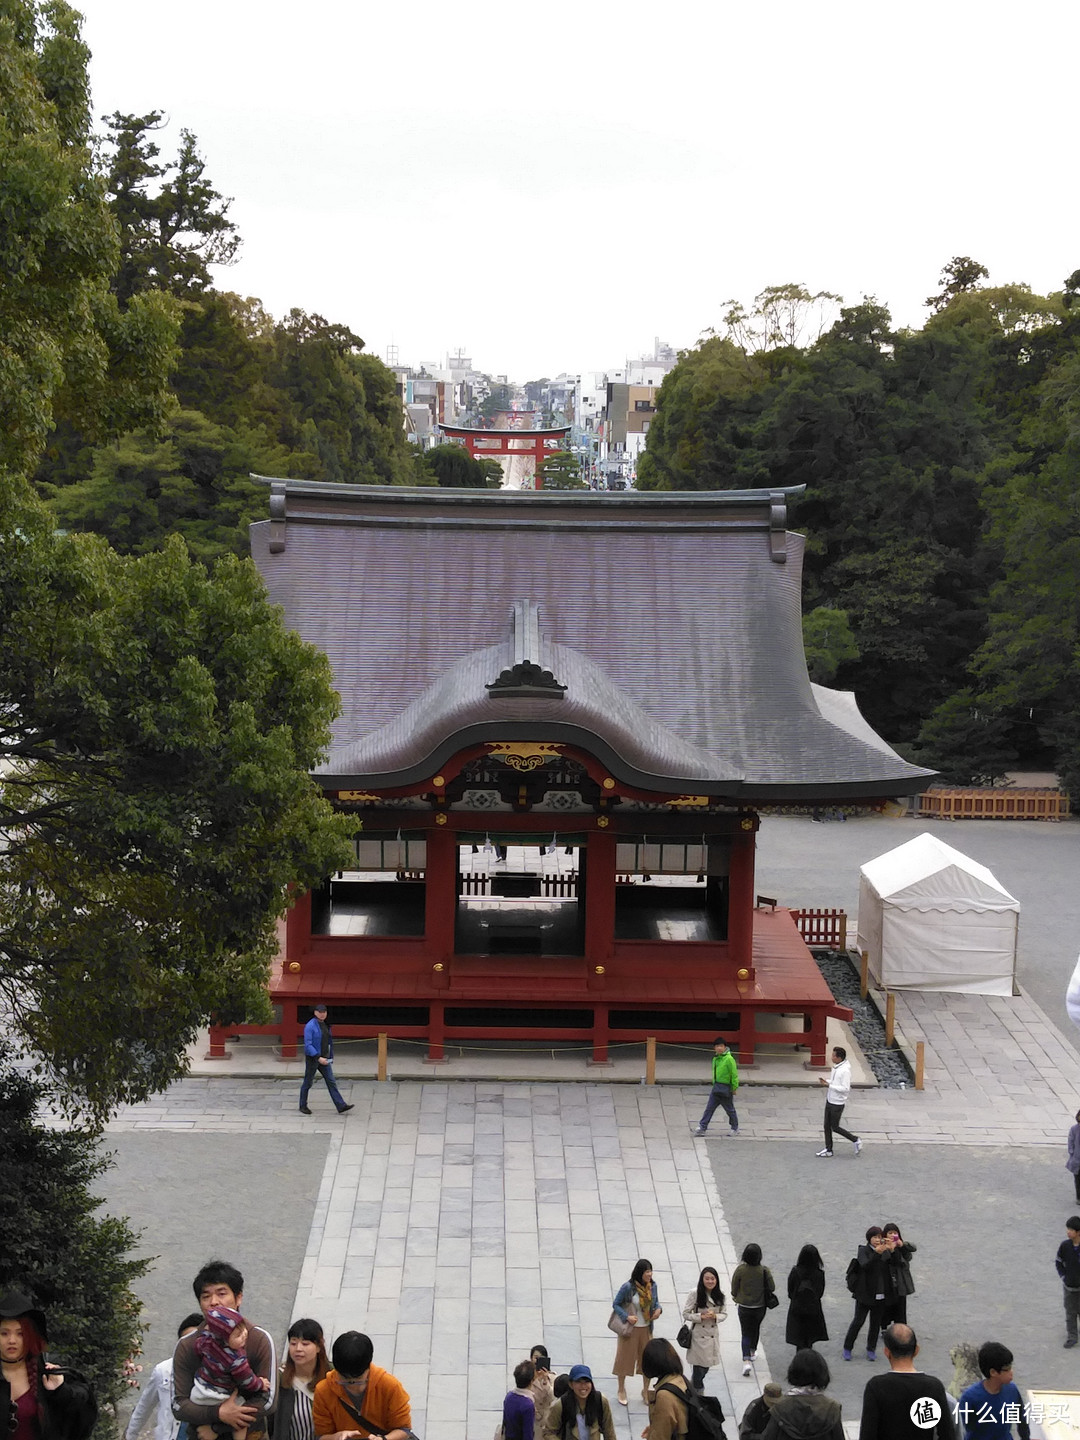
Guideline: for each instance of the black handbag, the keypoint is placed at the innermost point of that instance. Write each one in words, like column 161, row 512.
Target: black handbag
column 684, row 1337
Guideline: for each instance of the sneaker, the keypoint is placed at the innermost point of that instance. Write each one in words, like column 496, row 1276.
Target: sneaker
column 734, row 1129
column 847, row 1354
column 304, row 1110
column 858, row 1146
column 871, row 1354
column 746, row 1367
column 698, row 1133
column 824, row 1154
column 753, row 1354
column 1070, row 1342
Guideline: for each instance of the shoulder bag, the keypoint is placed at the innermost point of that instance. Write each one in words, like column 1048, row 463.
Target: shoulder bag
column 367, row 1424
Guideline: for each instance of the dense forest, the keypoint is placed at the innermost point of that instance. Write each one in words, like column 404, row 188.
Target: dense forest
column 941, row 508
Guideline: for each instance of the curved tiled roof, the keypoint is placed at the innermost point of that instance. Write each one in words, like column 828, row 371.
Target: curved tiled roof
column 668, row 626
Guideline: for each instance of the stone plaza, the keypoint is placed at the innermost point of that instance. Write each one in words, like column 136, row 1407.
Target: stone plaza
column 459, row 1222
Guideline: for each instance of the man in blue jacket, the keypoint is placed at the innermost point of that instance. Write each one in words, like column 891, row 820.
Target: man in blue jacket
column 319, row 1060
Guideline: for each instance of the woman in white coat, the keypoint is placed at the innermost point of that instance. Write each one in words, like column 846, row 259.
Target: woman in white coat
column 703, row 1312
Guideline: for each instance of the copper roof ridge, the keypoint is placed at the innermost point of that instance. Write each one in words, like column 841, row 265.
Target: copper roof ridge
column 579, row 499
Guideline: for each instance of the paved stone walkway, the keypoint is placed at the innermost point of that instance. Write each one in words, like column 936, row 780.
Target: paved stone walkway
column 460, row 1223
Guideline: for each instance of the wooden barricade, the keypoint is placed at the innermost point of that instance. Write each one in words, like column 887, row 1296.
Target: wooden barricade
column 473, row 884
column 1007, row 804
column 825, row 929
column 561, row 885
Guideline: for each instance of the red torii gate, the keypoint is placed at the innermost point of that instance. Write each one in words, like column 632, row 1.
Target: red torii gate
column 487, row 444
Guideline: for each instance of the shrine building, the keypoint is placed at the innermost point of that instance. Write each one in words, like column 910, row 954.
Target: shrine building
column 562, row 713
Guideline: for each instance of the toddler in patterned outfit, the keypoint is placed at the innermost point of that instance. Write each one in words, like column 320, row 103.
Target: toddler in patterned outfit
column 223, row 1368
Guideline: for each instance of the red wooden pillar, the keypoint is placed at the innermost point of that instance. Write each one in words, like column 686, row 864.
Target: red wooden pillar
column 436, row 1030
column 817, row 1037
column 601, row 1035
column 298, row 928
column 599, row 927
column 741, row 900
column 218, row 1035
column 600, row 899
column 538, row 451
column 289, row 1027
column 747, row 1036
column 440, row 893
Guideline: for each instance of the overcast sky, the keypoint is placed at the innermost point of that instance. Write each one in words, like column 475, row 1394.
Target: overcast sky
column 549, row 187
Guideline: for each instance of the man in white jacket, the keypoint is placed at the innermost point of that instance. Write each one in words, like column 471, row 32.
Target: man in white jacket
column 839, row 1083
column 158, row 1390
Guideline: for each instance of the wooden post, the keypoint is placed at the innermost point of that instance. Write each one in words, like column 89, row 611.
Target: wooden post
column 741, row 902
column 843, row 929
column 599, row 904
column 382, row 1055
column 920, row 1064
column 650, row 1060
column 890, row 1017
column 864, row 974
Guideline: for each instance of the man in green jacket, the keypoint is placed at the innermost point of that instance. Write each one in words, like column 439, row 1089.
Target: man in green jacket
column 725, row 1076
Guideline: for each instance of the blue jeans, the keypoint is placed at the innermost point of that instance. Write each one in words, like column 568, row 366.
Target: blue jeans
column 718, row 1096
column 313, row 1068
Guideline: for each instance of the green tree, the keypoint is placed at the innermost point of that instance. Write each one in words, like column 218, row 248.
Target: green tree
column 828, row 643
column 960, row 275
column 782, row 317
column 170, row 232
column 560, row 470
column 499, row 399
column 75, row 1263
column 64, row 343
column 343, row 407
column 699, row 438
column 193, row 479
column 1029, row 665
column 453, row 467
column 966, row 740
column 160, row 728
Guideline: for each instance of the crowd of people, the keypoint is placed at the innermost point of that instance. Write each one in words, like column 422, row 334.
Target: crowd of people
column 222, row 1381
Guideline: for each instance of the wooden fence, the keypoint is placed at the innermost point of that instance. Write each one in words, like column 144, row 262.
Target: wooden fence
column 825, row 929
column 564, row 886
column 993, row 804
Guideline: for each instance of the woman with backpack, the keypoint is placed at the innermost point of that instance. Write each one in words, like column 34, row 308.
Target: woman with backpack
column 752, row 1286
column 668, row 1414
column 675, row 1409
column 582, row 1400
column 703, row 1311
column 805, row 1287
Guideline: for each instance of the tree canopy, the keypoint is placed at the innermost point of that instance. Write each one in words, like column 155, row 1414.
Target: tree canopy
column 561, row 470
column 65, row 343
column 940, row 502
column 160, row 723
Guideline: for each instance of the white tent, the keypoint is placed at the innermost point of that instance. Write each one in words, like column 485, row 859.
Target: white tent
column 933, row 919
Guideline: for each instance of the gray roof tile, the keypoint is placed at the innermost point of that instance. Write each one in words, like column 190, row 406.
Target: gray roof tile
column 675, row 632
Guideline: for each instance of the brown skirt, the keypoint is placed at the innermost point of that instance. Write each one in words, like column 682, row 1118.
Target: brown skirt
column 628, row 1351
